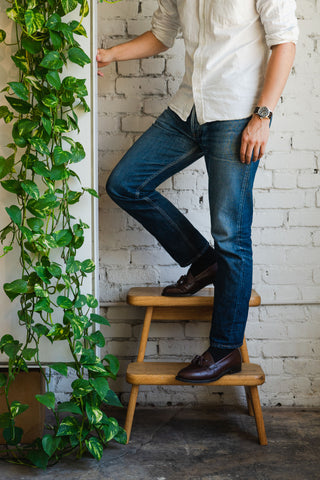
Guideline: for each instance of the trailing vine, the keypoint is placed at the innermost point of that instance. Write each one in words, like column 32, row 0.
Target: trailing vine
column 43, row 107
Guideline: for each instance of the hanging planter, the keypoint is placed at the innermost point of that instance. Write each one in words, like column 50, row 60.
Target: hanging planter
column 43, row 107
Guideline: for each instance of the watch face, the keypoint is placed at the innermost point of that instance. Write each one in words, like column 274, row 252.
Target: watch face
column 263, row 112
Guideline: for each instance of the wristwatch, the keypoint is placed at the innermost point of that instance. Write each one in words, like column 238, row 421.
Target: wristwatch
column 263, row 112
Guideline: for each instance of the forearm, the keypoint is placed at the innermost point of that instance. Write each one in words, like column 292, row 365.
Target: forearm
column 146, row 45
column 278, row 70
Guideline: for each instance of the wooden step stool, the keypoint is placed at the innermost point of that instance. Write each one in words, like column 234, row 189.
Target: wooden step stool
column 197, row 307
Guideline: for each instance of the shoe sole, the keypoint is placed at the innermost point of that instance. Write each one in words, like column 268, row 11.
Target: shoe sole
column 209, row 380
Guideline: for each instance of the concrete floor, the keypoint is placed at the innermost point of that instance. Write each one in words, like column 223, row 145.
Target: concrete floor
column 200, row 444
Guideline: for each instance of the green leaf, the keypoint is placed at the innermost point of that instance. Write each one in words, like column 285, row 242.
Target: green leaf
column 18, row 139
column 53, row 79
column 16, row 408
column 2, row 36
column 97, row 338
column 110, row 428
column 50, row 100
column 92, row 192
column 101, row 386
column 55, row 39
column 121, row 436
column 31, row 188
column 78, row 152
column 32, row 46
column 61, row 156
column 29, row 353
column 72, row 265
column 113, row 363
column 84, row 10
column 77, row 55
column 34, row 21
column 59, row 172
column 64, row 302
column 48, row 399
column 20, row 61
column 95, row 447
column 5, row 420
column 69, row 407
column 20, row 90
column 50, row 444
column 81, row 387
column 12, row 186
column 14, row 213
column 4, row 111
column 94, row 317
column 46, row 122
column 94, row 414
column 43, row 305
column 35, row 224
column 55, row 270
column 63, row 237
column 92, row 302
column 6, row 165
column 78, row 28
column 88, row 266
column 69, row 5
column 40, row 329
column 39, row 458
column 41, row 169
column 52, row 61
column 112, row 399
column 15, row 288
column 61, row 368
column 19, row 105
column 25, row 127
column 3, row 380
column 40, row 146
column 12, row 435
column 73, row 197
column 53, row 22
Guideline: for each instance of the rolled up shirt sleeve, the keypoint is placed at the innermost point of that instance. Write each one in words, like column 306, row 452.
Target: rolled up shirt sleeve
column 279, row 21
column 165, row 22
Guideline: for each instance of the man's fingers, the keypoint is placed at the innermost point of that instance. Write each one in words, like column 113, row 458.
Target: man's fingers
column 256, row 153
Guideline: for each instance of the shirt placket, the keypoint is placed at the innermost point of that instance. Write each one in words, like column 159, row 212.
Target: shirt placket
column 198, row 65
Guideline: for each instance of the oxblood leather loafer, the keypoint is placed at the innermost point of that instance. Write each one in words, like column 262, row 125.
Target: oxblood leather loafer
column 189, row 285
column 203, row 368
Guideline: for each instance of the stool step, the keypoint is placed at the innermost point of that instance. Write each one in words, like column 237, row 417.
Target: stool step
column 164, row 373
column 151, row 297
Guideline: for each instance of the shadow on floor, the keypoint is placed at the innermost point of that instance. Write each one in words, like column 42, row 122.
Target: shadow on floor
column 176, row 443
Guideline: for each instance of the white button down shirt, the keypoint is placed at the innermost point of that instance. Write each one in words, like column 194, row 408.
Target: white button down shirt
column 226, row 44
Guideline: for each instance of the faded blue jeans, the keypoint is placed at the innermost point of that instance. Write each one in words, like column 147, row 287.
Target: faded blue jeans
column 167, row 147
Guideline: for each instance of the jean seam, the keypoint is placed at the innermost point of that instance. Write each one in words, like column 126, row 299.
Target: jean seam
column 239, row 231
column 155, row 175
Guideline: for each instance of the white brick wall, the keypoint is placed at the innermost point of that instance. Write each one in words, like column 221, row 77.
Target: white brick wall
column 283, row 338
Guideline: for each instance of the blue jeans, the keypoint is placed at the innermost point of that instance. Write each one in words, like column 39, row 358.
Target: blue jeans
column 167, row 147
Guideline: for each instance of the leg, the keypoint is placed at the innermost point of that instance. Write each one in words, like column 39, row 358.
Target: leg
column 167, row 147
column 258, row 416
column 230, row 197
column 131, row 410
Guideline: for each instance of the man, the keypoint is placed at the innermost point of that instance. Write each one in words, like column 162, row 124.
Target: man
column 222, row 111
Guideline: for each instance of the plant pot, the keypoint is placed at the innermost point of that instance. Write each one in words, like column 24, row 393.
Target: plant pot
column 24, row 389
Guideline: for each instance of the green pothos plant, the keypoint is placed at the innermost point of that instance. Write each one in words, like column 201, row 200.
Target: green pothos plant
column 43, row 107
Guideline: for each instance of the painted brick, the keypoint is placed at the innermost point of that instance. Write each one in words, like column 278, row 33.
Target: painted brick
column 284, row 180
column 130, row 67
column 142, row 86
column 305, row 217
column 136, row 124
column 153, row 66
column 277, row 199
column 285, row 236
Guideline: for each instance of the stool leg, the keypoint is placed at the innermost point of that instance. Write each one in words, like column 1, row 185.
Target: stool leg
column 131, row 410
column 258, row 415
column 249, row 402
